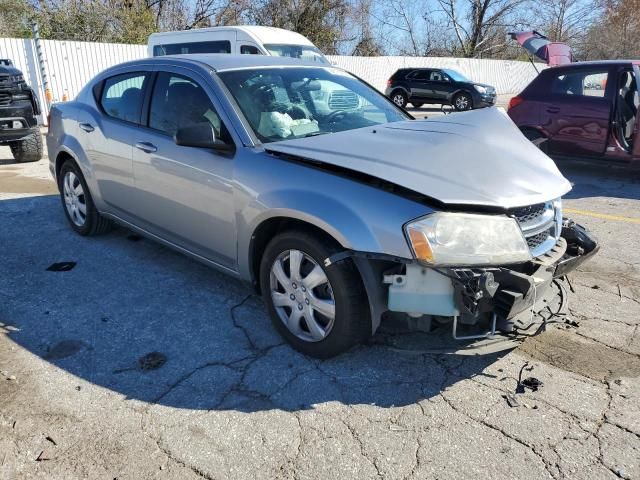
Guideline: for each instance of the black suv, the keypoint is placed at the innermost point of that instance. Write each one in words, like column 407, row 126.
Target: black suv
column 18, row 109
column 438, row 85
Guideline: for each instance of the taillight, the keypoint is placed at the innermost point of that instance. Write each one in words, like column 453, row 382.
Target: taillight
column 514, row 102
column 389, row 83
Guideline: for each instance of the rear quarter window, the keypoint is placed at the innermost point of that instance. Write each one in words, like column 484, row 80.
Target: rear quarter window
column 217, row 46
column 585, row 83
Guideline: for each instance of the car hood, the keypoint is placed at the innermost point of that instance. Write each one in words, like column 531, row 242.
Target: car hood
column 475, row 158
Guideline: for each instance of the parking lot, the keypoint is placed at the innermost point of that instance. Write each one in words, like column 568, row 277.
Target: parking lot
column 140, row 363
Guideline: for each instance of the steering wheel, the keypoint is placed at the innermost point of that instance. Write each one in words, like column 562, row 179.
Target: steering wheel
column 334, row 117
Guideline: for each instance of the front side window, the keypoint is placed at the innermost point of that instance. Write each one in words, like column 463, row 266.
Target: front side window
column 122, row 96
column 179, row 102
column 303, row 52
column 437, row 76
column 295, row 102
column 587, row 84
column 219, row 46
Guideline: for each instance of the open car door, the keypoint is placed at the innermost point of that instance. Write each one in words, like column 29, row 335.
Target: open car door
column 635, row 151
column 552, row 53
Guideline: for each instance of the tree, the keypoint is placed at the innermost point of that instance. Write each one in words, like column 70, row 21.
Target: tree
column 15, row 18
column 478, row 25
column 617, row 34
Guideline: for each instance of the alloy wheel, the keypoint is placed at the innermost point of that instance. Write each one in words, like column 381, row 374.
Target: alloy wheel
column 74, row 199
column 398, row 99
column 462, row 102
column 302, row 295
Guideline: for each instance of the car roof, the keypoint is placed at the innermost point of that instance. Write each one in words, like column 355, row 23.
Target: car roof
column 594, row 63
column 225, row 61
column 263, row 34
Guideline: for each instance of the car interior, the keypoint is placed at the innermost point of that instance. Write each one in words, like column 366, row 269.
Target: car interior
column 627, row 108
column 292, row 105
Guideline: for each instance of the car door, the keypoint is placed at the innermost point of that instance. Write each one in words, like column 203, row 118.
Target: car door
column 185, row 194
column 441, row 85
column 419, row 84
column 106, row 135
column 577, row 114
column 636, row 138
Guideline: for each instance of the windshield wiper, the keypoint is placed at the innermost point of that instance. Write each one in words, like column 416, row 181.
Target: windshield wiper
column 313, row 134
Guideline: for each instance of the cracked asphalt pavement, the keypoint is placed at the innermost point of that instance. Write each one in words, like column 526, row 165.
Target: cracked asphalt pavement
column 233, row 401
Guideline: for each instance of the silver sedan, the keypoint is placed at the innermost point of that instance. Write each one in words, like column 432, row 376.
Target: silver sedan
column 305, row 181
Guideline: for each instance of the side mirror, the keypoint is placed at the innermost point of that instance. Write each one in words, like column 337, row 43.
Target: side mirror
column 201, row 135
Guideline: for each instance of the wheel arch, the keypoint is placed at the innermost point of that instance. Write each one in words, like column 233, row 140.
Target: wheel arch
column 370, row 270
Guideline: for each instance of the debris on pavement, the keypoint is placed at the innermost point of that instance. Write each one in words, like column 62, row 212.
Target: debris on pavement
column 512, row 401
column 150, row 361
column 61, row 266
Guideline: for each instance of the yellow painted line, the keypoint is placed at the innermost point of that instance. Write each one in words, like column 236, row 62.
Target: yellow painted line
column 605, row 216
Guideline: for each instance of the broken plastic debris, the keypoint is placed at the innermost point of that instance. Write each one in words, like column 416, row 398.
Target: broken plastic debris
column 61, row 266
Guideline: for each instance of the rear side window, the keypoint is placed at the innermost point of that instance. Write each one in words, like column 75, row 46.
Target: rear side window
column 420, row 75
column 122, row 96
column 178, row 101
column 219, row 46
column 249, row 50
column 583, row 83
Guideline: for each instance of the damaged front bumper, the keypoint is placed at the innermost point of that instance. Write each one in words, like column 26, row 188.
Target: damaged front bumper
column 503, row 295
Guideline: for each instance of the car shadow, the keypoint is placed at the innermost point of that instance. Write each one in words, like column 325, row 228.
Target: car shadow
column 606, row 180
column 155, row 326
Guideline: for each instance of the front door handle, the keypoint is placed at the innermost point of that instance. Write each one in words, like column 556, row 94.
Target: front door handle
column 553, row 110
column 87, row 127
column 146, row 147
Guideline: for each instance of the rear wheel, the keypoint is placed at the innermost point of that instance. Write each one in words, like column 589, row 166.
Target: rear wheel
column 462, row 101
column 28, row 149
column 78, row 204
column 537, row 138
column 399, row 98
column 321, row 311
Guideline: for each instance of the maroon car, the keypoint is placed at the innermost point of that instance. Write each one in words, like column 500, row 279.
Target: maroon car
column 582, row 109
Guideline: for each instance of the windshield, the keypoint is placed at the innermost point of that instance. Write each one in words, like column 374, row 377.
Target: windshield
column 457, row 76
column 304, row 52
column 294, row 102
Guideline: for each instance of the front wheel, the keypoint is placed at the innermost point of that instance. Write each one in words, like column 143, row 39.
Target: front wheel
column 462, row 101
column 321, row 311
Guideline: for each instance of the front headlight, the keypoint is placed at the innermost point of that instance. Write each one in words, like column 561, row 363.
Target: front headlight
column 466, row 239
column 480, row 88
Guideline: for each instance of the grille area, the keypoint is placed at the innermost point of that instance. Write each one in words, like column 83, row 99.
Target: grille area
column 5, row 99
column 343, row 100
column 541, row 225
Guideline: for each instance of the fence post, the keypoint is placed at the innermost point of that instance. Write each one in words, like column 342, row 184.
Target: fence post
column 42, row 65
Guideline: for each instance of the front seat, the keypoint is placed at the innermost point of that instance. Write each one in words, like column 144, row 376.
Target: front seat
column 627, row 103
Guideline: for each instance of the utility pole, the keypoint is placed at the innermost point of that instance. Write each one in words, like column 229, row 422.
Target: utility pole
column 41, row 64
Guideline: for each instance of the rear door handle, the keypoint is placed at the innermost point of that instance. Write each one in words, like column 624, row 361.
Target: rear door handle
column 146, row 147
column 553, row 110
column 87, row 127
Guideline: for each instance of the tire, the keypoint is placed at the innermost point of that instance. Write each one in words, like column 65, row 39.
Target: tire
column 86, row 223
column 283, row 293
column 462, row 101
column 537, row 138
column 28, row 149
column 417, row 105
column 399, row 98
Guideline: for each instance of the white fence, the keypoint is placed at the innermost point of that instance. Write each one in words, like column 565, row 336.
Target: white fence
column 69, row 65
